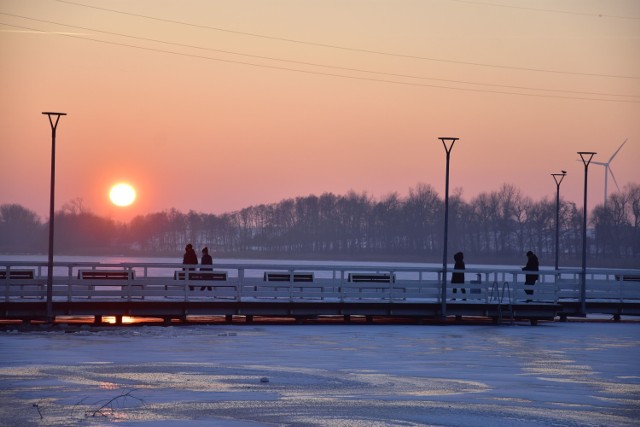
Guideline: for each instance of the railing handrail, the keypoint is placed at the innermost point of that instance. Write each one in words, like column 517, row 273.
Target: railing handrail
column 321, row 267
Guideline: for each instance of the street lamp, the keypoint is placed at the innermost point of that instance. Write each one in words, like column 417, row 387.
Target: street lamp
column 447, row 142
column 53, row 121
column 558, row 177
column 586, row 157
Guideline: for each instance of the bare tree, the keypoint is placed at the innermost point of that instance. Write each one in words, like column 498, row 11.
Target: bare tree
column 20, row 229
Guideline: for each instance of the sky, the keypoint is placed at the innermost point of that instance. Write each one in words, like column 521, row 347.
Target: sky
column 214, row 106
column 250, row 375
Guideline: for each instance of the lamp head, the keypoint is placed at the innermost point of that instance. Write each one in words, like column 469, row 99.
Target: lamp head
column 54, row 118
column 558, row 177
column 448, row 142
column 586, row 156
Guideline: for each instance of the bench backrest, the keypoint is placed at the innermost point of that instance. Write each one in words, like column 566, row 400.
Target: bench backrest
column 371, row 277
column 628, row 278
column 277, row 276
column 201, row 275
column 106, row 274
column 17, row 274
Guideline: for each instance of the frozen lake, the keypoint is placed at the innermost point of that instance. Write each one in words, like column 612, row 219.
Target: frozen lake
column 569, row 374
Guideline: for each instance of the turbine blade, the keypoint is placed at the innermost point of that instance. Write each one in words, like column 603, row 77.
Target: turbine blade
column 614, row 154
column 614, row 179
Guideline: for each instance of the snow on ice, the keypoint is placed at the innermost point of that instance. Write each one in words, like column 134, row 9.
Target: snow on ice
column 246, row 375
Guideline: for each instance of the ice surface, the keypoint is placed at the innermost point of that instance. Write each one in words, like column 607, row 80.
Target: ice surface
column 569, row 374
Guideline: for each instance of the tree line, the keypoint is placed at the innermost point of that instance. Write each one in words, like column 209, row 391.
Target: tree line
column 497, row 226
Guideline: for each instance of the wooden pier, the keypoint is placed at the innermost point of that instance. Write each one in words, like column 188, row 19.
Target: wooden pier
column 173, row 292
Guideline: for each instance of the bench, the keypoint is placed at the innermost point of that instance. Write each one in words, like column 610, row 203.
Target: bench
column 17, row 274
column 628, row 277
column 371, row 278
column 279, row 285
column 200, row 275
column 367, row 285
column 21, row 275
column 220, row 276
column 106, row 274
column 107, row 277
column 276, row 276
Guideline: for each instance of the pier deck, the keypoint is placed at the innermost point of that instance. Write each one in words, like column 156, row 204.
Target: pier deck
column 170, row 292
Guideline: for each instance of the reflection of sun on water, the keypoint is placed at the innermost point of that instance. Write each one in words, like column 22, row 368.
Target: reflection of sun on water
column 112, row 319
column 108, row 386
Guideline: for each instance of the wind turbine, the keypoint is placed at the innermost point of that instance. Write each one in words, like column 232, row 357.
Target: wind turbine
column 607, row 171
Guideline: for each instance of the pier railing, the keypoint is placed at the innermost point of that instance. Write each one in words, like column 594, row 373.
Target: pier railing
column 75, row 281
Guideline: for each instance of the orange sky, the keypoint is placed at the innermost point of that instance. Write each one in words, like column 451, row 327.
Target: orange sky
column 216, row 126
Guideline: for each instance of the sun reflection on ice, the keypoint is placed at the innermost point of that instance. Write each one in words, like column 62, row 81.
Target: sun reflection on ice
column 112, row 320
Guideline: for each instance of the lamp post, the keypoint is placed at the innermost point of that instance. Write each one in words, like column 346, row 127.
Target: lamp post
column 53, row 121
column 558, row 177
column 447, row 142
column 586, row 157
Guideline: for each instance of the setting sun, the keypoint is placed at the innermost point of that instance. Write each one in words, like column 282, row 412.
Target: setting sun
column 122, row 194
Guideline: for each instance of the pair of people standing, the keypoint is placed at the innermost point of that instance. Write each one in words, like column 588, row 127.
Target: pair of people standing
column 190, row 258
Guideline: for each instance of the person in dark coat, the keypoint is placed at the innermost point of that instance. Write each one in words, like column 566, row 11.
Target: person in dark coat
column 530, row 279
column 206, row 260
column 458, row 277
column 189, row 258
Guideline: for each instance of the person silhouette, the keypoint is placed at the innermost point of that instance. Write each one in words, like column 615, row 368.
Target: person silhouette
column 530, row 279
column 458, row 277
column 189, row 258
column 206, row 260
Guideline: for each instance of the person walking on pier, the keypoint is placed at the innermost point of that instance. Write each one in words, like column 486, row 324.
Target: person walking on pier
column 189, row 258
column 206, row 260
column 458, row 277
column 530, row 279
